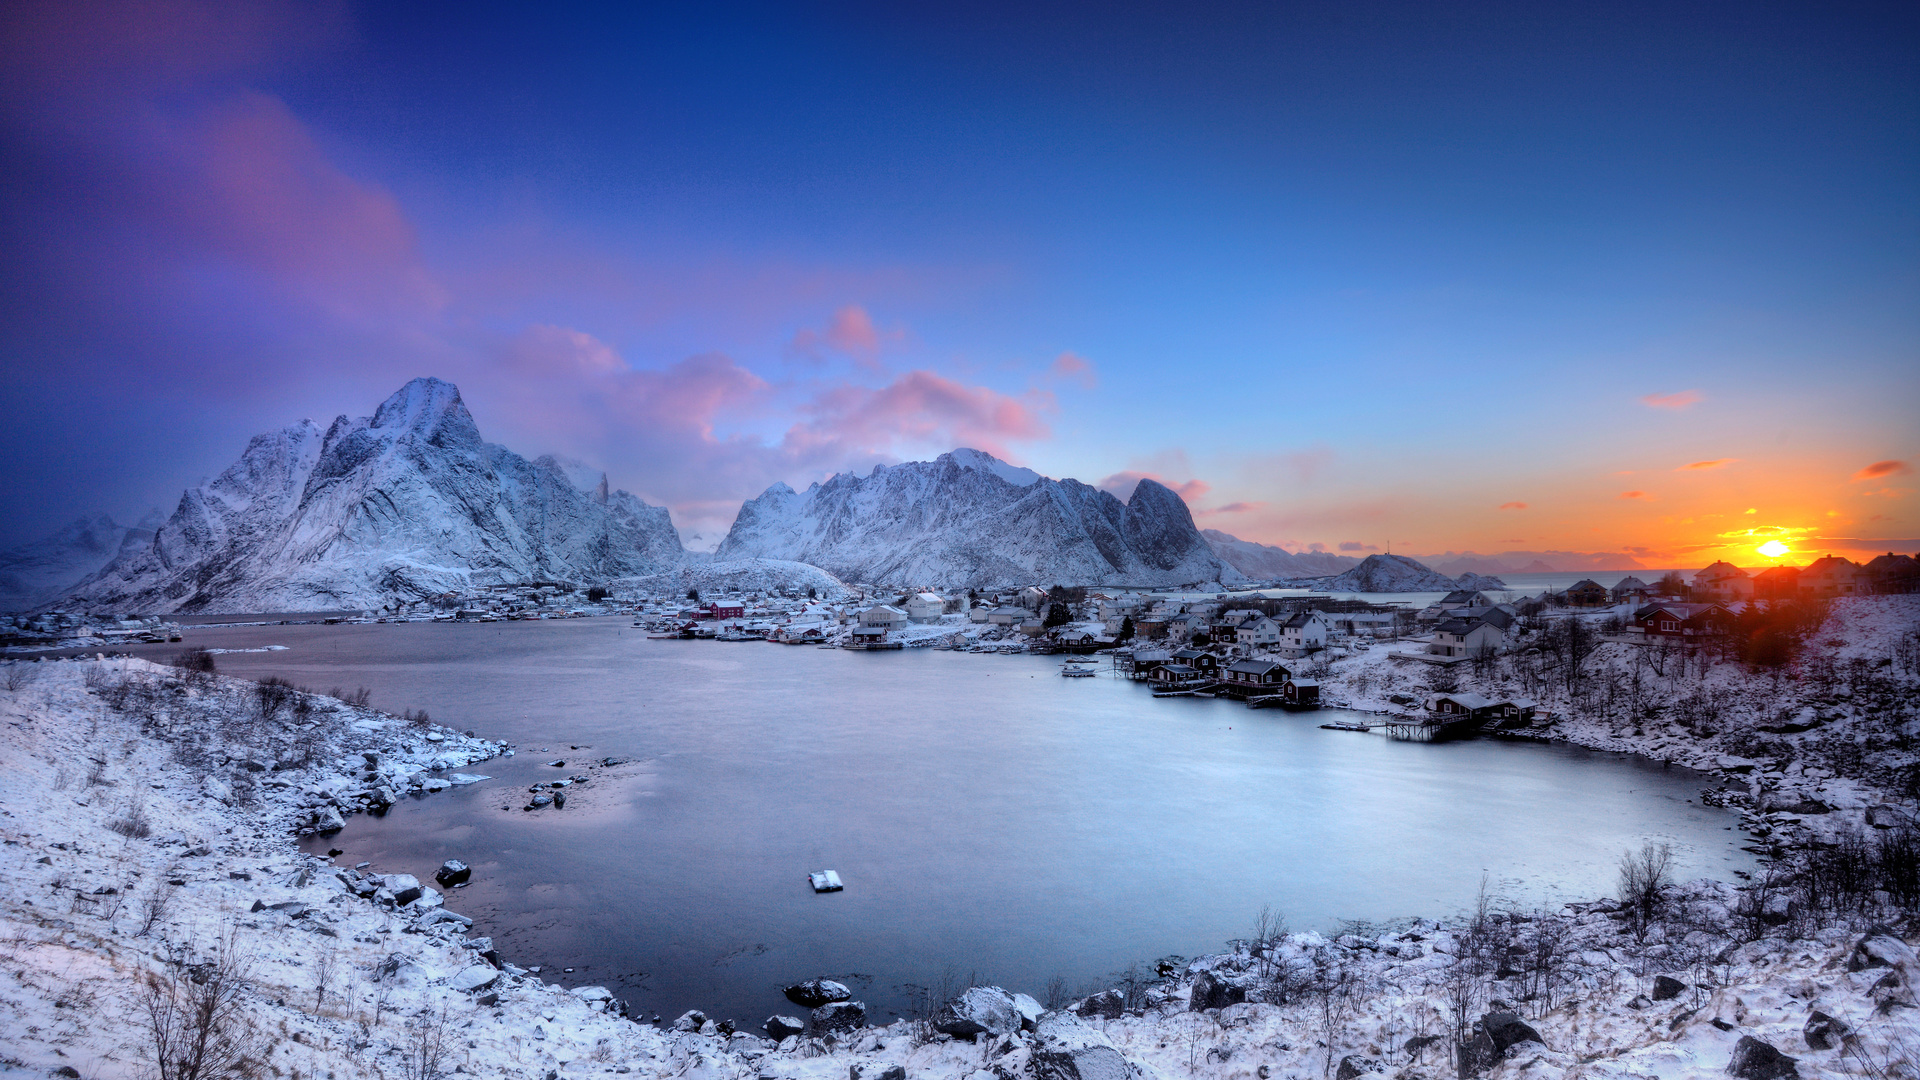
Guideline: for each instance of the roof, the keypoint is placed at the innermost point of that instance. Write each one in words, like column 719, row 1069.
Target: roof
column 1255, row 667
column 1721, row 569
column 928, row 598
column 1460, row 627
column 1586, row 583
column 1299, row 619
column 1460, row 596
column 1189, row 654
column 1630, row 582
column 1471, row 701
column 1685, row 611
column 1827, row 564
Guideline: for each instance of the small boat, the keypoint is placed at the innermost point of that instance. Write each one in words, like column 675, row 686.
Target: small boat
column 825, row 881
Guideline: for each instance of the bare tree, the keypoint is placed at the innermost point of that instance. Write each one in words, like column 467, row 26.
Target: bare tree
column 153, row 906
column 1642, row 875
column 424, row 1056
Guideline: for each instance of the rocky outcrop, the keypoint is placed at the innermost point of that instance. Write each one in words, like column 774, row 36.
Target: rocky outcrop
column 969, row 520
column 817, row 992
column 1211, row 991
column 839, row 1018
column 1756, row 1060
column 779, row 1027
column 1064, row 1048
column 402, row 505
column 1390, row 574
column 979, row 1010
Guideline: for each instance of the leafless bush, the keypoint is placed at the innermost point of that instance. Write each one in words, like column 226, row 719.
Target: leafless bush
column 1642, row 875
column 20, row 675
column 424, row 1056
column 195, row 662
column 133, row 824
column 417, row 719
column 154, row 905
column 1057, row 993
column 358, row 699
column 323, row 967
column 97, row 773
column 271, row 695
column 196, row 1024
column 95, row 678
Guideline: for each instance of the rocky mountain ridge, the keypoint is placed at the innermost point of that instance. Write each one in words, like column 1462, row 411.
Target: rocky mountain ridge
column 967, row 519
column 405, row 504
column 1384, row 573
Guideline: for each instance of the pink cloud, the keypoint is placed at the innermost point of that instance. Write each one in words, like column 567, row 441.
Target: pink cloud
column 1715, row 463
column 1073, row 367
column 1513, row 506
column 1635, row 495
column 849, row 333
column 1231, row 508
column 1882, row 468
column 1121, row 485
column 917, row 408
column 1680, row 400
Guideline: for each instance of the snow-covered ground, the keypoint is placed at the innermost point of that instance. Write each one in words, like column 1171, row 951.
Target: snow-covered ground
column 148, row 821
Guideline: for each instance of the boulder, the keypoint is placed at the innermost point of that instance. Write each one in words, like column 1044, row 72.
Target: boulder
column 978, row 1010
column 877, row 1070
column 1666, row 988
column 1878, row 949
column 817, row 992
column 323, row 819
column 452, row 872
column 1212, row 992
column 779, row 1027
column 440, row 916
column 474, row 979
column 1824, row 1032
column 1756, row 1060
column 1107, row 1005
column 1506, row 1028
column 1640, row 1001
column 1064, row 1048
column 599, row 997
column 1476, row 1055
column 1029, row 1010
column 691, row 1020
column 1354, row 1066
column 404, row 887
column 839, row 1017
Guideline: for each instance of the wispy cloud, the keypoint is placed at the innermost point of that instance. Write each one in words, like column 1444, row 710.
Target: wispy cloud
column 1231, row 508
column 1881, row 469
column 1635, row 495
column 1712, row 464
column 1355, row 545
column 1121, row 485
column 1681, row 400
column 1513, row 506
column 850, row 333
column 1072, row 367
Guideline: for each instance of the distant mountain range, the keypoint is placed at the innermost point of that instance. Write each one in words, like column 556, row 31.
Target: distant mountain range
column 42, row 571
column 407, row 503
column 1262, row 562
column 1398, row 573
column 967, row 519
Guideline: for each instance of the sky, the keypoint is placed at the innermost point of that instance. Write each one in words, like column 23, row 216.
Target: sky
column 1622, row 283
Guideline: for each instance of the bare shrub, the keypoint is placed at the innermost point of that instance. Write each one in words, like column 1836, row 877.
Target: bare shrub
column 424, row 1055
column 273, row 694
column 196, row 1024
column 153, row 906
column 20, row 675
column 97, row 773
column 417, row 719
column 1642, row 875
column 195, row 662
column 359, row 699
column 133, row 824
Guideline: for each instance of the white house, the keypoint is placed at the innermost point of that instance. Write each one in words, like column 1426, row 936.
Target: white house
column 978, row 613
column 884, row 616
column 1302, row 633
column 1032, row 597
column 925, row 607
column 1465, row 637
column 1007, row 616
column 1260, row 631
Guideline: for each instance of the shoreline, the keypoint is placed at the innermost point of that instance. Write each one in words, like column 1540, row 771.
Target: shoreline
column 244, row 875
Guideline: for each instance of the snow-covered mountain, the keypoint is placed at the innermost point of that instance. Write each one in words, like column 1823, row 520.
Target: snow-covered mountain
column 1264, row 562
column 967, row 519
column 1388, row 574
column 38, row 572
column 406, row 503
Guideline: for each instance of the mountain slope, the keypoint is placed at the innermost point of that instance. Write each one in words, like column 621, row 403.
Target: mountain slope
column 1389, row 574
column 35, row 573
column 967, row 519
column 407, row 503
column 1263, row 561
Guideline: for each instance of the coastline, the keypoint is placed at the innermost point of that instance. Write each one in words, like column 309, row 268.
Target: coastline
column 70, row 944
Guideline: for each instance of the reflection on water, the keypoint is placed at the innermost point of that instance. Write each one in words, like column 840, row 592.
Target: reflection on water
column 987, row 816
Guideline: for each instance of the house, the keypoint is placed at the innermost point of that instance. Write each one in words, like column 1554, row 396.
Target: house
column 1007, row 616
column 1466, row 637
column 1141, row 664
column 1630, row 588
column 884, row 617
column 1303, row 632
column 1379, row 624
column 1470, row 706
column 1585, row 593
column 1892, row 573
column 1199, row 660
column 1830, row 575
column 1255, row 676
column 1177, row 676
column 1184, row 626
column 1261, row 631
column 1300, row 694
column 1722, row 581
column 978, row 614
column 1460, row 598
column 723, row 609
column 869, row 636
column 925, row 607
column 1032, row 598
column 1673, row 620
column 1777, row 583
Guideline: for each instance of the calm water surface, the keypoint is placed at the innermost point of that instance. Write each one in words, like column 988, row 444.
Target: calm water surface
column 987, row 816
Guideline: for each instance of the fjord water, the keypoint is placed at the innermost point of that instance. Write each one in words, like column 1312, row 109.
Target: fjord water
column 989, row 817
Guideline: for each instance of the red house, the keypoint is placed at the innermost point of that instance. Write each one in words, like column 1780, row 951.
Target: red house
column 723, row 611
column 1666, row 620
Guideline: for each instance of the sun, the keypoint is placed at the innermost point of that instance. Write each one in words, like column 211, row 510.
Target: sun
column 1773, row 549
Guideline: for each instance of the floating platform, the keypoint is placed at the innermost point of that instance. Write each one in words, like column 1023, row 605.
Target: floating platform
column 825, row 881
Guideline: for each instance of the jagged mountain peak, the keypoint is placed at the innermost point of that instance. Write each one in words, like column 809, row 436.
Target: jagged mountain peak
column 967, row 519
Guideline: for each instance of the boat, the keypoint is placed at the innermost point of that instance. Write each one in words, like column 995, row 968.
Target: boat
column 825, row 881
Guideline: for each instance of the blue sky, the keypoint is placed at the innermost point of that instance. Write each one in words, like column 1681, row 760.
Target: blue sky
column 1346, row 273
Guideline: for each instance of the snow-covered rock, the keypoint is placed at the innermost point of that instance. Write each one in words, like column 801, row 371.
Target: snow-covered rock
column 960, row 521
column 979, row 1010
column 1390, row 574
column 404, row 504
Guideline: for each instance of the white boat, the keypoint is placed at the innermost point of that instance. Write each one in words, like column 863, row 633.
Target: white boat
column 825, row 881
